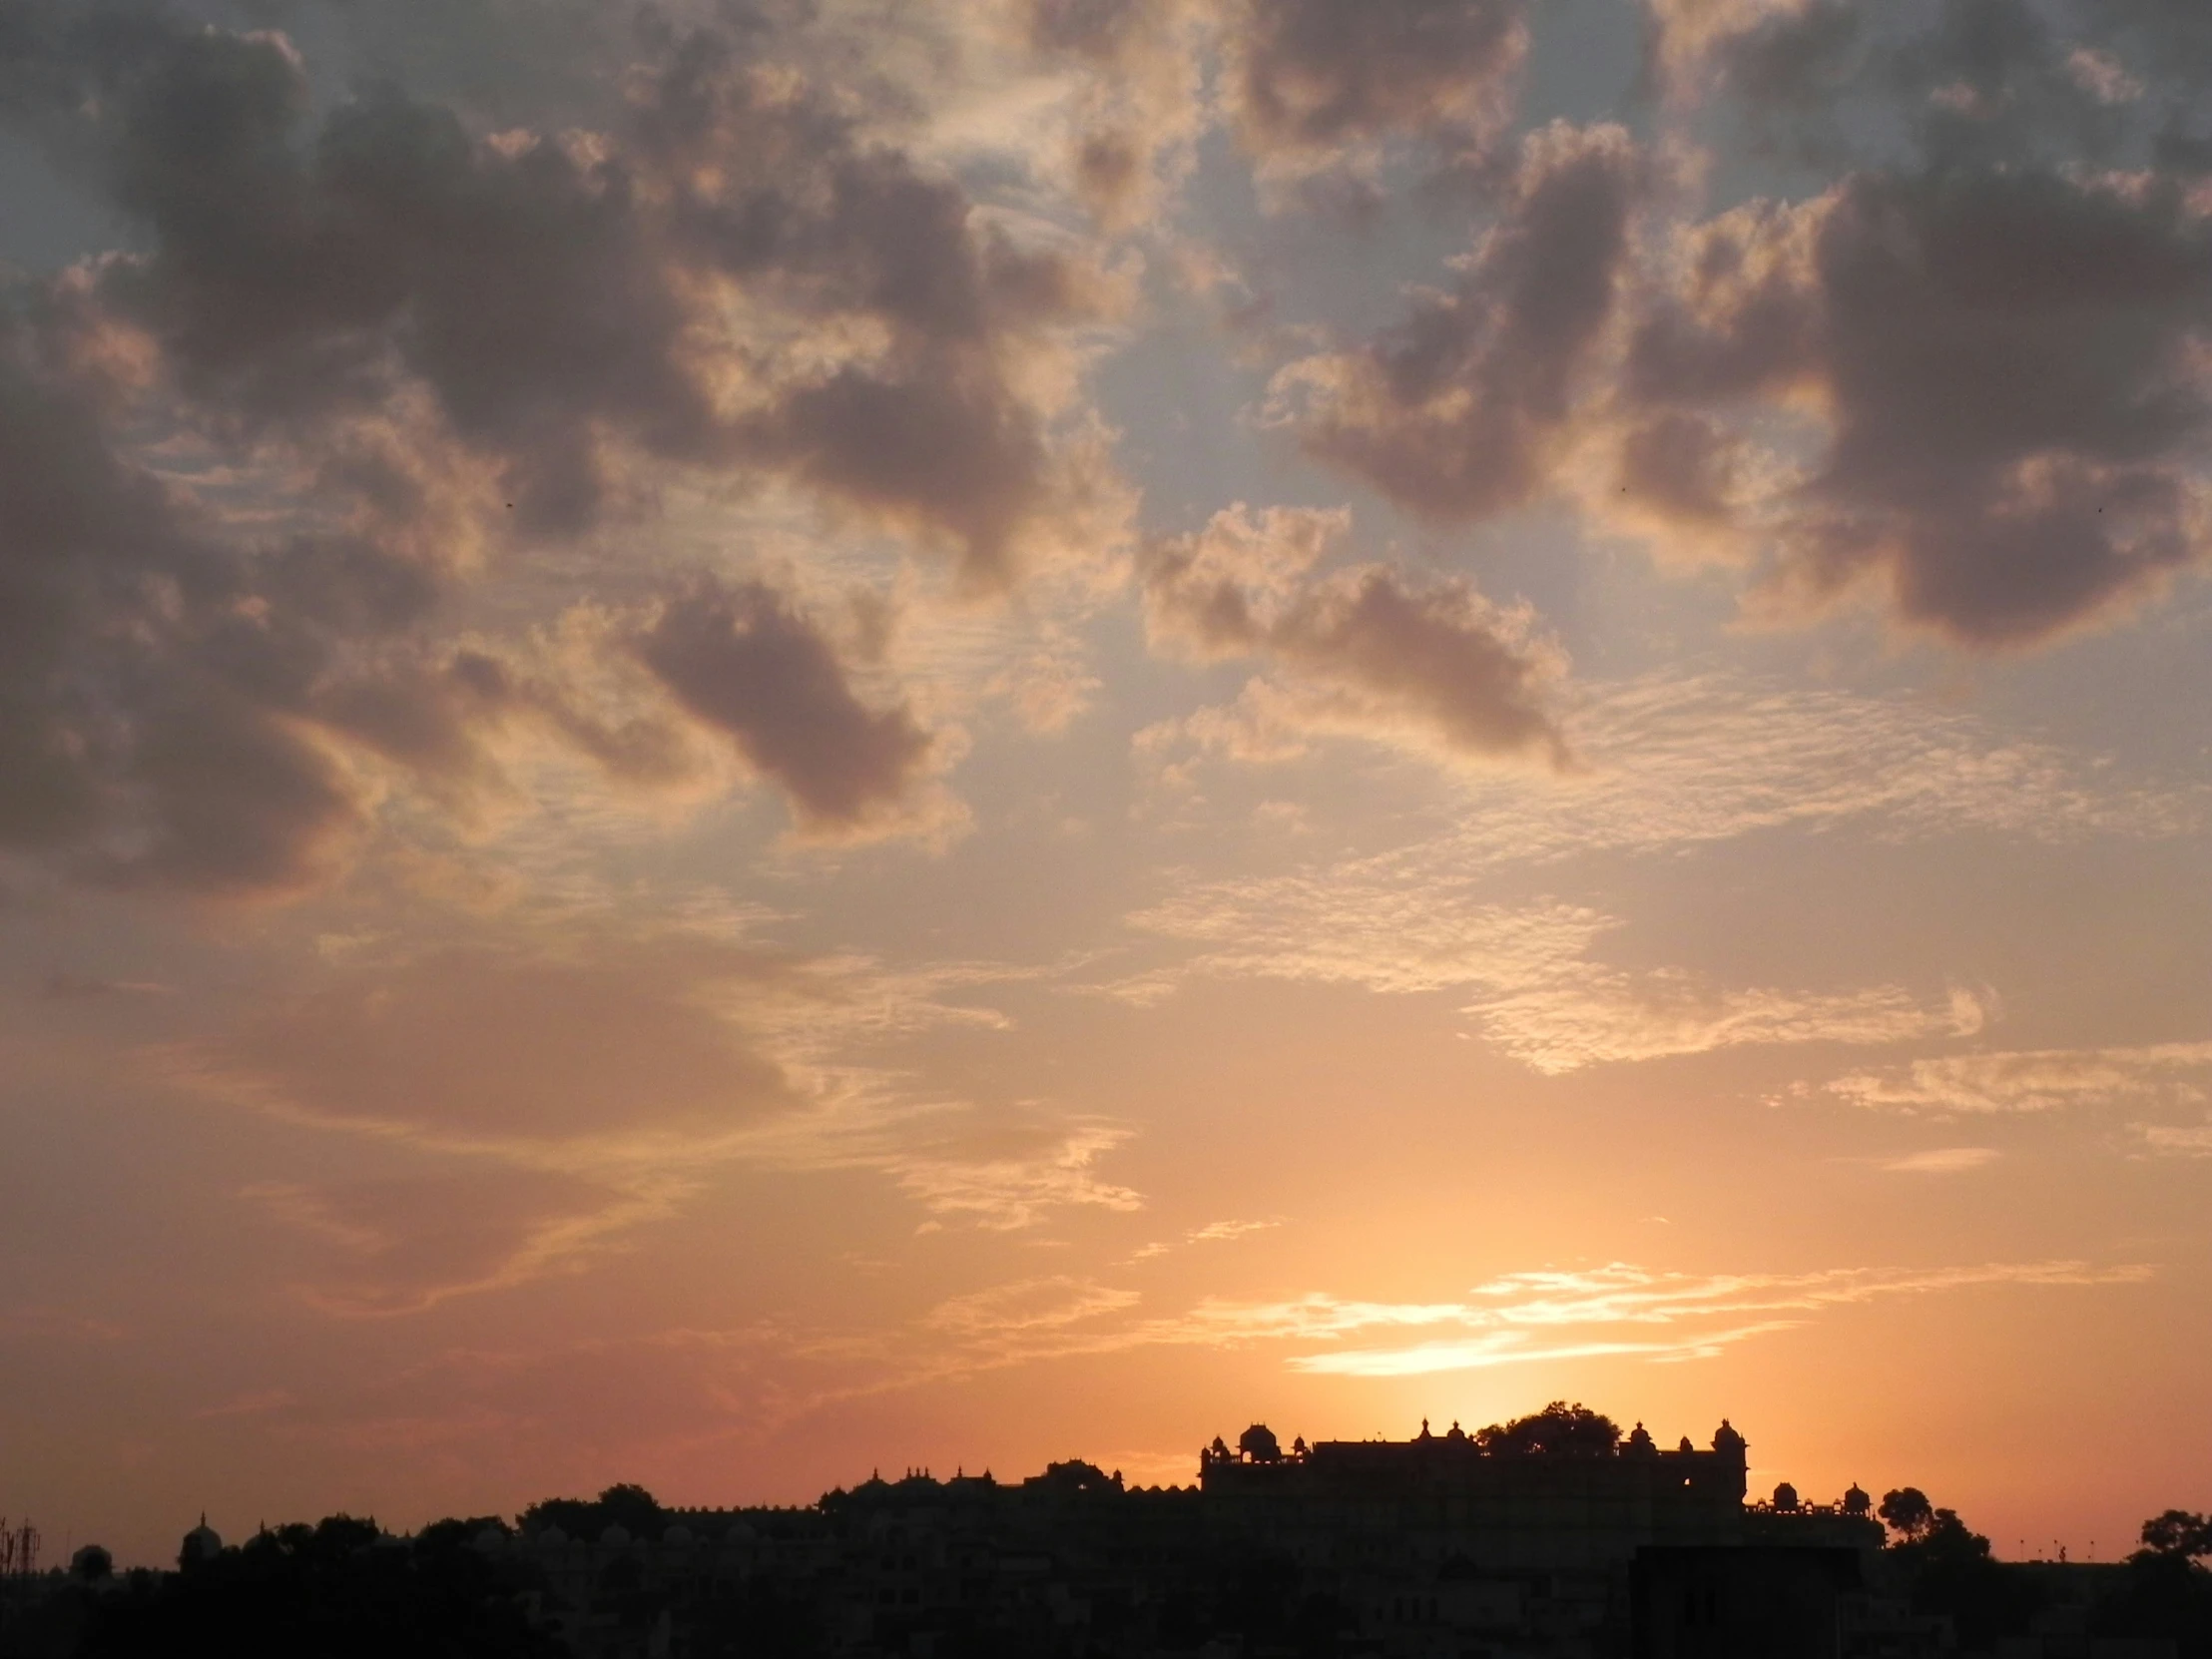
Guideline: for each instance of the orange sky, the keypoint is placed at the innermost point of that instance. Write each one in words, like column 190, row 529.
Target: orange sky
column 947, row 736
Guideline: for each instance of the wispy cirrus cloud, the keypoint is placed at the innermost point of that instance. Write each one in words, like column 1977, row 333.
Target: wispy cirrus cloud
column 1943, row 1159
column 1537, row 989
column 1214, row 1232
column 1683, row 758
column 2035, row 1080
column 554, row 1086
column 741, row 1382
column 2169, row 1141
column 1616, row 1310
column 1531, row 1317
column 1668, row 762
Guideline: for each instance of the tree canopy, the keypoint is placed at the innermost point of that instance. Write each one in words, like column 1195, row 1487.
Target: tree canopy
column 2179, row 1532
column 630, row 1508
column 1558, row 1427
column 1906, row 1511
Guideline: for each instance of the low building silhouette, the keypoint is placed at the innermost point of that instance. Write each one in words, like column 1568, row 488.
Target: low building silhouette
column 1438, row 1545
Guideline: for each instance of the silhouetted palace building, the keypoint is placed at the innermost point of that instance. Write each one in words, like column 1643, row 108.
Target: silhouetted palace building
column 1434, row 1546
column 1553, row 1535
column 1442, row 1496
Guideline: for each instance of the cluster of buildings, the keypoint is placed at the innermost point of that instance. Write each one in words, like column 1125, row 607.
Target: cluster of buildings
column 1441, row 1546
column 1428, row 1548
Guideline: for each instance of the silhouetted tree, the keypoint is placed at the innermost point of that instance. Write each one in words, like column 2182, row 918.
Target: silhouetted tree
column 335, row 1590
column 455, row 1532
column 630, row 1507
column 2162, row 1593
column 1951, row 1570
column 1906, row 1511
column 2179, row 1532
column 1558, row 1427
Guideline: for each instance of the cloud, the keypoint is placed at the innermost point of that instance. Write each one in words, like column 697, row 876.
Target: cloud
column 1215, row 1232
column 2034, row 1080
column 1311, row 83
column 1991, row 325
column 487, row 1046
column 1946, row 1160
column 1508, row 1311
column 743, row 659
column 1134, row 118
column 1616, row 1310
column 71, row 987
column 2186, row 1141
column 154, row 704
column 375, row 1248
column 1011, row 1175
column 1538, row 992
column 304, row 272
column 1838, row 82
column 545, row 1092
column 1683, row 757
column 1463, row 410
column 1026, row 1307
column 1671, row 760
column 1367, row 650
column 255, row 468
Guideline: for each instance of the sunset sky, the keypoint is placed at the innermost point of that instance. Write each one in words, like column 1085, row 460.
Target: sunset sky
column 742, row 741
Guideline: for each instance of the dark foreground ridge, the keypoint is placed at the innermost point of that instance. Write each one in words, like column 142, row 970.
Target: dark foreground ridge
column 1553, row 1535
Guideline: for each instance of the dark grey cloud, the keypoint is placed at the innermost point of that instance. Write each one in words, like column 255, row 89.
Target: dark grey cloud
column 1455, row 413
column 560, row 298
column 1101, row 30
column 1308, row 78
column 1136, row 116
column 2007, row 364
column 143, row 694
column 1430, row 662
column 1991, row 303
column 404, row 347
column 1844, row 83
column 745, row 660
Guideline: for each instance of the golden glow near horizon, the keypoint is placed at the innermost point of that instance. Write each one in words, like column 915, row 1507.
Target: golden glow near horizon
column 962, row 735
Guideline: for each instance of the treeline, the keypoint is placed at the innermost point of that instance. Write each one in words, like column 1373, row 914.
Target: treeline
column 343, row 1590
column 339, row 1590
column 1948, row 1568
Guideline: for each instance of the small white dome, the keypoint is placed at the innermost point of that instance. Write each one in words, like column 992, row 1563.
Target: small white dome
column 677, row 1535
column 552, row 1538
column 617, row 1536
